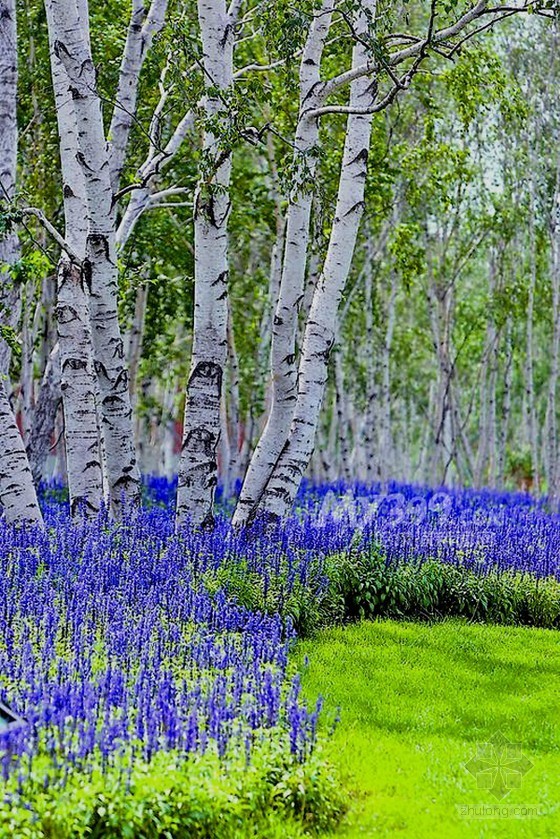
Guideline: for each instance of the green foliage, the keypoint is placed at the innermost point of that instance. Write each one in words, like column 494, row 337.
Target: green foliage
column 479, row 82
column 11, row 337
column 297, row 601
column 365, row 586
column 407, row 251
column 32, row 267
column 175, row 796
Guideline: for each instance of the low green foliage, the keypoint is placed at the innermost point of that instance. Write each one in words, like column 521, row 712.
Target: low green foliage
column 173, row 796
column 364, row 585
column 298, row 600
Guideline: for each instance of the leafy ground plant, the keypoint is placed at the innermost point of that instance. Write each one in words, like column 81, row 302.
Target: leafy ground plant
column 203, row 797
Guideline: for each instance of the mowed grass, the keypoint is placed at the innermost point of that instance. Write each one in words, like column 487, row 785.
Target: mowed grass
column 415, row 700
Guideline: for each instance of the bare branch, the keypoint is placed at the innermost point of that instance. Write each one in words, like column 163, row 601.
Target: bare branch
column 141, row 31
column 52, row 231
column 421, row 46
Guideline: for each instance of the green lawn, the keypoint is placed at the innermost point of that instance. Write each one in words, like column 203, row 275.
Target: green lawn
column 415, row 700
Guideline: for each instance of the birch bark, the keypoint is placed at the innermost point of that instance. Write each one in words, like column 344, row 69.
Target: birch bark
column 530, row 349
column 144, row 25
column 202, row 422
column 386, row 442
column 552, row 424
column 283, row 347
column 44, row 415
column 369, row 428
column 321, row 326
column 70, row 37
column 75, row 358
column 17, row 491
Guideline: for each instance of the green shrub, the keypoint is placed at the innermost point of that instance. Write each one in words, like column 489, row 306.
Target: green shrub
column 273, row 595
column 365, row 586
column 177, row 797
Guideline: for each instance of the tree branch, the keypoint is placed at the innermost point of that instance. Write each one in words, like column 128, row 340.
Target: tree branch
column 52, row 231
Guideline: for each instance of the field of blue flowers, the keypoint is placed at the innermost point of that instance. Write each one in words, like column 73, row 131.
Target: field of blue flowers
column 122, row 641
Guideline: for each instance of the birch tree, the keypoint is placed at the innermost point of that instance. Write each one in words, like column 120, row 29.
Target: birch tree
column 296, row 241
column 320, row 331
column 89, row 318
column 281, row 477
column 17, row 492
column 202, row 421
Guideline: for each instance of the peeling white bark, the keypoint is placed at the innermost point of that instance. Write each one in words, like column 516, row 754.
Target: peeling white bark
column 530, row 349
column 142, row 198
column 78, row 385
column 17, row 491
column 202, row 423
column 284, row 332
column 44, row 415
column 321, row 326
column 144, row 25
column 70, row 44
column 553, row 476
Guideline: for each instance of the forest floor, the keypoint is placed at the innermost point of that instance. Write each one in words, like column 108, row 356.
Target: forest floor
column 417, row 702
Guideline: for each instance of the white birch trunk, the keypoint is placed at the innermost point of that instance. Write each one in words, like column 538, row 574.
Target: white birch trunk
column 233, row 413
column 343, row 419
column 441, row 307
column 44, row 416
column 78, row 387
column 371, row 449
column 71, row 46
column 321, row 328
column 75, row 358
column 17, row 491
column 385, row 445
column 284, row 332
column 530, row 349
column 143, row 26
column 506, row 409
column 202, row 422
column 136, row 338
column 142, row 198
column 552, row 425
column 483, row 460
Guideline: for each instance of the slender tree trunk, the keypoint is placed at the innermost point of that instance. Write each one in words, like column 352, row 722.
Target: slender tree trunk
column 552, row 425
column 505, row 409
column 144, row 24
column 233, row 410
column 484, row 458
column 71, row 46
column 136, row 337
column 17, row 491
column 285, row 325
column 44, row 416
column 48, row 395
column 202, row 423
column 530, row 349
column 385, row 445
column 321, row 327
column 75, row 357
column 371, row 450
column 343, row 419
